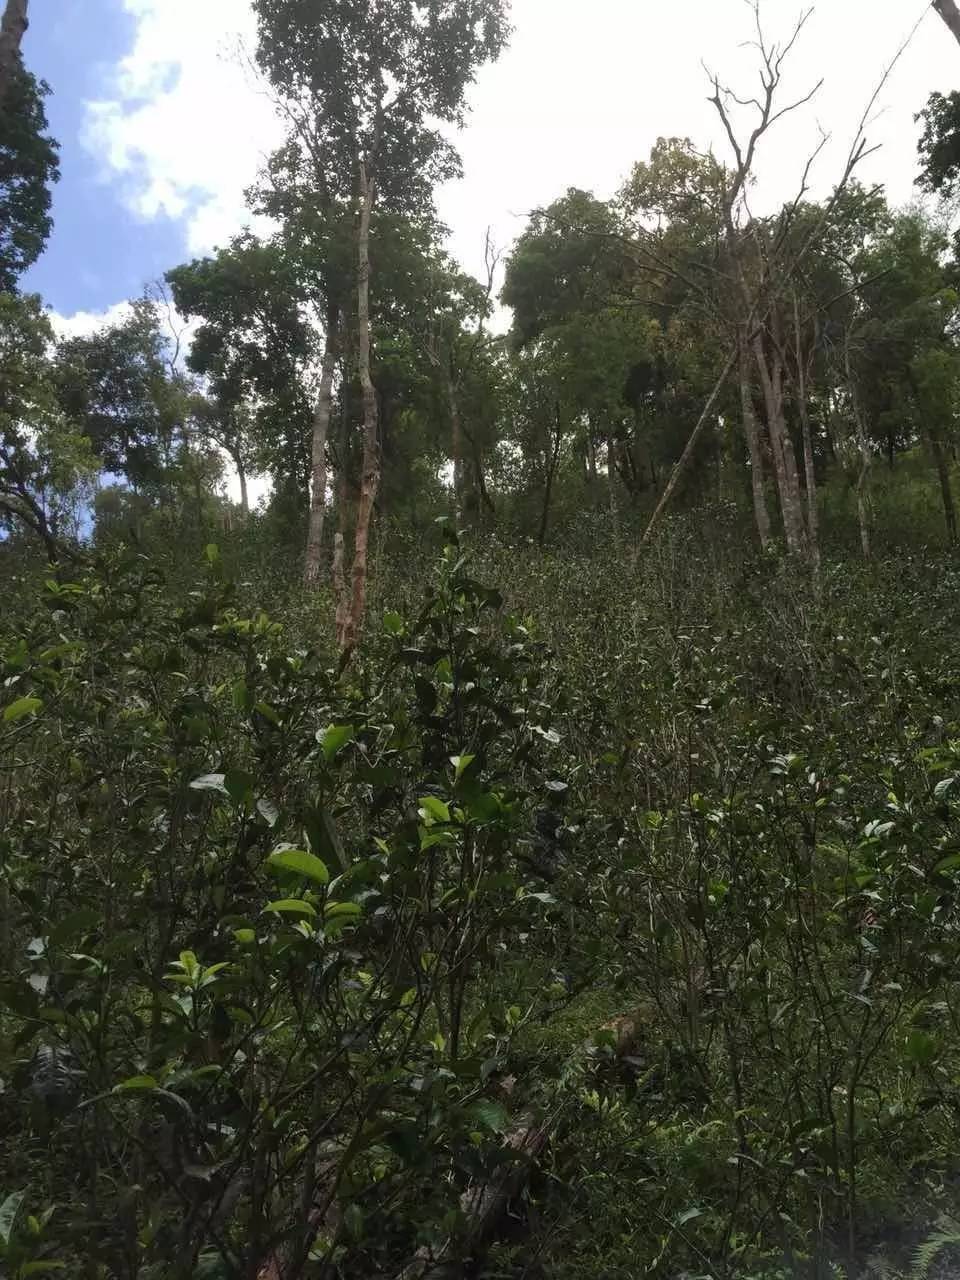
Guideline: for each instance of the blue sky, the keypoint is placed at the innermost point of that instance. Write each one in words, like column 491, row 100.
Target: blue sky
column 99, row 252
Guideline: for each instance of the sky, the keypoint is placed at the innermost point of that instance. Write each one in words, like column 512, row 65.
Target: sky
column 162, row 123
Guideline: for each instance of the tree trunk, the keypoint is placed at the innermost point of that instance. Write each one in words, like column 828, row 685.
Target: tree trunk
column 13, row 24
column 784, row 459
column 687, row 454
column 752, row 433
column 456, row 443
column 863, row 446
column 370, row 474
column 244, row 496
column 813, row 515
column 552, row 459
column 946, row 494
column 949, row 12
column 321, row 426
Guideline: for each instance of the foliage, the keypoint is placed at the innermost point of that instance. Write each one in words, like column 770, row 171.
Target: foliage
column 28, row 166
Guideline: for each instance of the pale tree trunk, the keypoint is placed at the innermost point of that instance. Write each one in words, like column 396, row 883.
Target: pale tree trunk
column 949, row 12
column 813, row 515
column 552, row 459
column 682, row 462
column 456, row 442
column 943, row 475
column 752, row 433
column 784, row 459
column 340, row 596
column 612, row 491
column 863, row 448
column 321, row 427
column 13, row 25
column 242, row 478
column 349, row 633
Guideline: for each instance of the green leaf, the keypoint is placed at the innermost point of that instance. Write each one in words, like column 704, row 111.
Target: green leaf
column 342, row 909
column 238, row 785
column 268, row 811
column 292, row 906
column 431, row 807
column 74, row 925
column 300, row 863
column 212, row 552
column 210, row 782
column 921, row 1047
column 8, row 1215
column 948, row 864
column 22, row 707
column 245, row 936
column 40, row 1267
column 688, row 1215
column 334, row 738
column 491, row 1115
column 460, row 764
column 323, row 839
column 392, row 623
column 136, row 1084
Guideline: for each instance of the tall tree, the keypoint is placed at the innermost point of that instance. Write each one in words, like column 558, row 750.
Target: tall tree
column 367, row 84
column 28, row 156
column 13, row 26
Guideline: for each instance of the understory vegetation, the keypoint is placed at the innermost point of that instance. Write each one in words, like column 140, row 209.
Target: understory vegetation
column 523, row 841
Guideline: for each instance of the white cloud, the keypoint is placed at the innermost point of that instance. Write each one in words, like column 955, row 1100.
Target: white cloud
column 583, row 92
column 186, row 126
column 82, row 323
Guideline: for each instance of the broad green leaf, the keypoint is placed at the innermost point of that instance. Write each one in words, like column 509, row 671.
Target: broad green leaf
column 238, row 785
column 334, row 738
column 300, row 863
column 245, row 936
column 292, row 906
column 688, row 1215
column 135, row 1084
column 210, row 782
column 342, row 909
column 461, row 763
column 491, row 1115
column 432, row 807
column 8, row 1215
column 74, row 925
column 392, row 623
column 22, row 707
column 921, row 1047
column 268, row 811
column 41, row 1267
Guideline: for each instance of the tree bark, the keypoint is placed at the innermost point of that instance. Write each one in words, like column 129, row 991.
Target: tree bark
column 946, row 493
column 321, row 427
column 456, row 442
column 949, row 12
column 810, row 475
column 752, row 433
column 691, row 444
column 863, row 446
column 553, row 457
column 13, row 25
column 784, row 459
column 370, row 474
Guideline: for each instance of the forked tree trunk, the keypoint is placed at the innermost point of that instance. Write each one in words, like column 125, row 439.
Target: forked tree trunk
column 349, row 633
column 949, row 12
column 13, row 25
column 784, row 459
column 321, row 428
column 751, row 432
